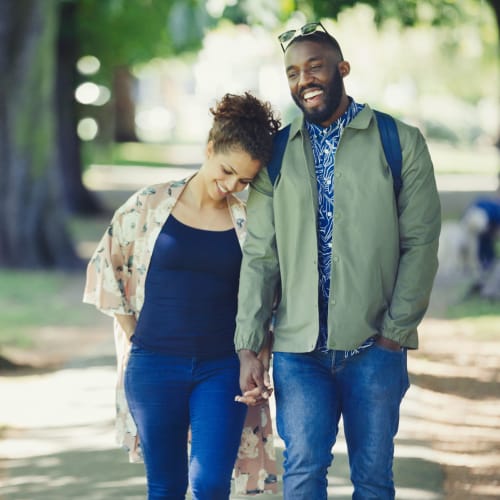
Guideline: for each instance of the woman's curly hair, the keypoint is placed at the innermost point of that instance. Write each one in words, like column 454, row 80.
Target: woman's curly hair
column 244, row 122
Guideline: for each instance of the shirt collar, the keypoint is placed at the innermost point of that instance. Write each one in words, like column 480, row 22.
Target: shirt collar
column 340, row 123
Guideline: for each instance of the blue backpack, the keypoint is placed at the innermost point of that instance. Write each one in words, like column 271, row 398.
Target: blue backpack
column 390, row 143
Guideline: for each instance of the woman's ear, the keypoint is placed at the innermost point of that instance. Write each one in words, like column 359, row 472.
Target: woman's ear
column 209, row 149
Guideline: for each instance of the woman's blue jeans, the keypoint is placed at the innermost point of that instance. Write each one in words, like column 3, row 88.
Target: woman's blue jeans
column 312, row 391
column 167, row 395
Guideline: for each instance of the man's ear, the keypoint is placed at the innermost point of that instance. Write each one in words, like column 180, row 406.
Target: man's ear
column 344, row 68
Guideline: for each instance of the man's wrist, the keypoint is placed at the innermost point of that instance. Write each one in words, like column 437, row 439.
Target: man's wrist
column 246, row 354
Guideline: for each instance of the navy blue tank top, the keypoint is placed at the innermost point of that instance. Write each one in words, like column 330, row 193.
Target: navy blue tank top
column 191, row 292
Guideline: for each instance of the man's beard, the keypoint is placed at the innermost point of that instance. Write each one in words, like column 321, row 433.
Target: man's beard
column 332, row 95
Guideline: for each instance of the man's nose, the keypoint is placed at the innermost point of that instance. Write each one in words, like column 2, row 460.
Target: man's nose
column 305, row 78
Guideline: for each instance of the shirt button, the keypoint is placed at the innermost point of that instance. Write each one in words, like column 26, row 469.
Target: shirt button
column 328, row 181
column 329, row 214
column 329, row 245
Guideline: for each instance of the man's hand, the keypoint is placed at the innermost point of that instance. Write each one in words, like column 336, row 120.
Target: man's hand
column 388, row 344
column 254, row 380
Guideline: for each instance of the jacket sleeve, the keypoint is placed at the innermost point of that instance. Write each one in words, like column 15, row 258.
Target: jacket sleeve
column 419, row 228
column 109, row 269
column 259, row 275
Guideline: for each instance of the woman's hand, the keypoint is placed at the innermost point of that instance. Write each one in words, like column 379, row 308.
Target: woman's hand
column 255, row 382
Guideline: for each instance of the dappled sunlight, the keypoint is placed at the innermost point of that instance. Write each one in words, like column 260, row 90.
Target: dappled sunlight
column 456, row 403
column 68, row 397
column 76, row 474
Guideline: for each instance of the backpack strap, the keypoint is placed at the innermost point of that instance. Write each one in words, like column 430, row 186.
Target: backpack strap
column 279, row 146
column 392, row 147
column 390, row 143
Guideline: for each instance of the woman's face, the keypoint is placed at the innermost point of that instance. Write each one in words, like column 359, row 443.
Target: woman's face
column 228, row 172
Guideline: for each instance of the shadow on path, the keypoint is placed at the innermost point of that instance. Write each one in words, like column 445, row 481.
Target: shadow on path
column 59, row 442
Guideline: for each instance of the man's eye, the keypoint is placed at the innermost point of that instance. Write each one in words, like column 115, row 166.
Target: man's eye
column 227, row 172
column 291, row 76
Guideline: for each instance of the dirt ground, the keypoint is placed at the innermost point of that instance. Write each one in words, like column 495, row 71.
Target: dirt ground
column 463, row 374
column 458, row 360
column 459, row 372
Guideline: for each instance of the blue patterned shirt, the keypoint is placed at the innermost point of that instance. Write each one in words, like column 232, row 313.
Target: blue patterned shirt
column 325, row 142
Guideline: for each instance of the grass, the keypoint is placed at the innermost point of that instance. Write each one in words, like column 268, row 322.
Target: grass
column 33, row 299
column 475, row 307
column 30, row 300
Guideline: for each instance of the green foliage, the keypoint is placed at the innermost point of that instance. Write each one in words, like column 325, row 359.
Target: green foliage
column 128, row 32
column 406, row 12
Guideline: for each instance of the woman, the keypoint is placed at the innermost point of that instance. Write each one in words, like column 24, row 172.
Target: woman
column 167, row 270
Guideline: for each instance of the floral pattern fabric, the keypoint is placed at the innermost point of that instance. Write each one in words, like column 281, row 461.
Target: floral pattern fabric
column 255, row 470
column 115, row 284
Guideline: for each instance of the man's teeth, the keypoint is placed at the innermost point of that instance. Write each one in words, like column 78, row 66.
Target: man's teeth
column 221, row 188
column 312, row 93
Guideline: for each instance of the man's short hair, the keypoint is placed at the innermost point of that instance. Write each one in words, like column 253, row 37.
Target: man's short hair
column 319, row 37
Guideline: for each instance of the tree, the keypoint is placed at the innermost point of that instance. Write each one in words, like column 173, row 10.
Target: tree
column 407, row 12
column 76, row 197
column 119, row 34
column 40, row 43
column 32, row 225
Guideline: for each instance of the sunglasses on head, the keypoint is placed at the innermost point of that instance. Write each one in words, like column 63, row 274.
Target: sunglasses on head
column 286, row 38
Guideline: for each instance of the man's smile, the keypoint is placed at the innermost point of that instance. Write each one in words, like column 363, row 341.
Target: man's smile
column 312, row 96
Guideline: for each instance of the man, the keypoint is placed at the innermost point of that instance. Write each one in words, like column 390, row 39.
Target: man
column 353, row 267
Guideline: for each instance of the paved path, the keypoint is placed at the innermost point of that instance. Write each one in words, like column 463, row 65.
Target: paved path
column 60, row 442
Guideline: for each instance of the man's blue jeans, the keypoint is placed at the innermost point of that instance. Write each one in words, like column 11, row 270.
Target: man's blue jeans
column 168, row 394
column 312, row 391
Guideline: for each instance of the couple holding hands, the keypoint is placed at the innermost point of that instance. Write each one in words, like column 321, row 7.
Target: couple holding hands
column 193, row 278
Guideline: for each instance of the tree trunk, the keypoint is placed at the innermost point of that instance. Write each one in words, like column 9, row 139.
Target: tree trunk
column 495, row 5
column 33, row 232
column 123, row 88
column 77, row 198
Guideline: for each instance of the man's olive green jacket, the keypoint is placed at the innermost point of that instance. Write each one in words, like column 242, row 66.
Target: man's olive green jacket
column 384, row 251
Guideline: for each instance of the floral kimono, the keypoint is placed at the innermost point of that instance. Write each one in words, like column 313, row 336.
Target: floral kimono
column 116, row 276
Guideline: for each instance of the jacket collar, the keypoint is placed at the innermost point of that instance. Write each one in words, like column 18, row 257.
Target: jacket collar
column 361, row 121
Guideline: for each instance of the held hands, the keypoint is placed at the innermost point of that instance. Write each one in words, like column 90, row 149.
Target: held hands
column 255, row 383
